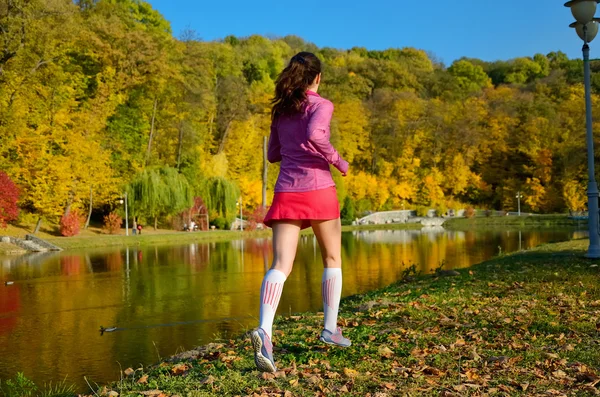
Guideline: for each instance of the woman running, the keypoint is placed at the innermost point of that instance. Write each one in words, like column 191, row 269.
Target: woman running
column 305, row 196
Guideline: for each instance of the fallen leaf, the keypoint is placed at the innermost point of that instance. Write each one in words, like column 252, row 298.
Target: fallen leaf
column 314, row 380
column 293, row 382
column 472, row 375
column 143, row 380
column 432, row 371
column 280, row 374
column 505, row 388
column 499, row 359
column 385, row 351
column 350, row 373
column 559, row 374
column 129, row 372
column 179, row 369
column 389, row 386
column 150, row 392
column 208, row 380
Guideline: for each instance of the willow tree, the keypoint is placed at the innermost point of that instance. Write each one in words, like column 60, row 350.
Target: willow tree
column 220, row 196
column 159, row 192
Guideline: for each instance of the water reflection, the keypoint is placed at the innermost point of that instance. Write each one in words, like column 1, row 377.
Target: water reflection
column 168, row 298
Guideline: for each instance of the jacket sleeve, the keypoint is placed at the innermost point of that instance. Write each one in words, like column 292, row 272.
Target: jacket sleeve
column 274, row 150
column 319, row 134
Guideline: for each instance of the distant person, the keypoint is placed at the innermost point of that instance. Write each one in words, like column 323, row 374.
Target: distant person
column 305, row 196
column 139, row 228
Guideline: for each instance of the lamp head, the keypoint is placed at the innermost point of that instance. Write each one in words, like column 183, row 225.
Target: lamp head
column 592, row 30
column 583, row 10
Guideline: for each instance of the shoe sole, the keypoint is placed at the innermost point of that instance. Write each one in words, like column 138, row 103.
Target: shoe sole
column 262, row 362
column 333, row 343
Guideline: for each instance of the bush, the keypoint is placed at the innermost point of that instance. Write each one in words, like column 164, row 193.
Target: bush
column 112, row 223
column 9, row 195
column 219, row 223
column 348, row 213
column 422, row 211
column 71, row 224
column 363, row 206
column 470, row 212
column 441, row 209
column 257, row 217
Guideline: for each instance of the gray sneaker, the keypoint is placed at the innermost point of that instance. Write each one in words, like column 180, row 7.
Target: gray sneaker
column 335, row 339
column 263, row 350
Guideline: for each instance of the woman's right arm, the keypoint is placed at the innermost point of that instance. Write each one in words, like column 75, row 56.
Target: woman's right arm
column 319, row 134
column 274, row 151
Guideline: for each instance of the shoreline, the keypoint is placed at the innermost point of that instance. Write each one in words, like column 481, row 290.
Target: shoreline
column 171, row 237
column 94, row 238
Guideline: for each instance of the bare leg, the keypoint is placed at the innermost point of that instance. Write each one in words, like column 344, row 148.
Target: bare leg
column 285, row 244
column 329, row 236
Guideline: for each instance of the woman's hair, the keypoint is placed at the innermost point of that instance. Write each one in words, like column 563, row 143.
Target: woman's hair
column 292, row 83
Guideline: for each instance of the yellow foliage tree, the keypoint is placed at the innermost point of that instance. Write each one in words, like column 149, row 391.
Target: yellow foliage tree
column 574, row 194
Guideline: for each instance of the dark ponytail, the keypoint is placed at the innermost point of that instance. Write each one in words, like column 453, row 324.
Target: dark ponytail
column 292, row 83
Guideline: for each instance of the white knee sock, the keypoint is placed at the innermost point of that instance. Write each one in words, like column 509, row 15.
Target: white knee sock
column 331, row 289
column 270, row 293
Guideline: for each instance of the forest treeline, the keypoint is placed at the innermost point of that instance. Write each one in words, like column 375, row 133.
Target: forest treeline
column 99, row 97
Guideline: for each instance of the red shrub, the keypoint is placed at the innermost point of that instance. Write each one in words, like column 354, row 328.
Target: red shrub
column 9, row 195
column 255, row 218
column 70, row 224
column 470, row 212
column 112, row 223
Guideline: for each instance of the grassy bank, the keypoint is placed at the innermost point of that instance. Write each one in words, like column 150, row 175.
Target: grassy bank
column 513, row 221
column 523, row 324
column 96, row 238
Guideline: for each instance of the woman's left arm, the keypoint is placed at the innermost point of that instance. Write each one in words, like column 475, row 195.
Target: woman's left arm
column 319, row 134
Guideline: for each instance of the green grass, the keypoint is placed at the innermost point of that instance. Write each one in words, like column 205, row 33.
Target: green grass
column 10, row 249
column 94, row 238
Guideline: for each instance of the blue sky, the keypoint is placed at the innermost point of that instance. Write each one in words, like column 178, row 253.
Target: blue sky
column 484, row 29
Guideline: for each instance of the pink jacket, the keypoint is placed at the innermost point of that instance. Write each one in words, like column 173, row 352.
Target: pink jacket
column 301, row 143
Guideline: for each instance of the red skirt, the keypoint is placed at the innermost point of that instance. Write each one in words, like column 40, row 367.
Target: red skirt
column 321, row 205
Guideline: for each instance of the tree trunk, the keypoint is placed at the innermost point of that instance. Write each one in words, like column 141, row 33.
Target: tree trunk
column 149, row 150
column 222, row 144
column 155, row 223
column 211, row 120
column 69, row 203
column 264, row 187
column 38, row 225
column 87, row 223
column 180, row 144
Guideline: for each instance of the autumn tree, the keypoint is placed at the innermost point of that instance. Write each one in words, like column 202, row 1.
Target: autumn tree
column 9, row 195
